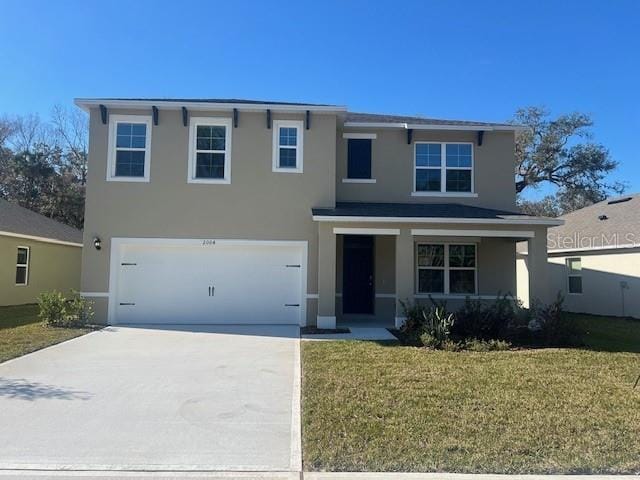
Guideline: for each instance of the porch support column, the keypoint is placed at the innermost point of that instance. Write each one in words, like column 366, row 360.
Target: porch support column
column 539, row 287
column 326, row 276
column 404, row 273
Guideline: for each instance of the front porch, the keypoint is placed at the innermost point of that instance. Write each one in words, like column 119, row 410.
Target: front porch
column 366, row 268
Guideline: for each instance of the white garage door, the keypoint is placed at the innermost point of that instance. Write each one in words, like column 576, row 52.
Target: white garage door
column 208, row 282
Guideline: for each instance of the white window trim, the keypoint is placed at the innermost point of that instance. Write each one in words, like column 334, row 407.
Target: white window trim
column 447, row 269
column 569, row 275
column 443, row 171
column 26, row 276
column 111, row 150
column 297, row 124
column 193, row 129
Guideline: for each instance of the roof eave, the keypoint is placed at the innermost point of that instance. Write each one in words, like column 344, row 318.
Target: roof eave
column 87, row 103
column 542, row 221
column 431, row 126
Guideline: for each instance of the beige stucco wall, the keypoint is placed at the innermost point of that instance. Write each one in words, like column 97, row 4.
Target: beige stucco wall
column 51, row 267
column 258, row 204
column 602, row 274
column 392, row 165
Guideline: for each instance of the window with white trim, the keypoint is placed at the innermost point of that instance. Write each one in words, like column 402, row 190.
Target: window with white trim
column 446, row 268
column 574, row 275
column 287, row 146
column 22, row 266
column 129, row 148
column 443, row 167
column 209, row 150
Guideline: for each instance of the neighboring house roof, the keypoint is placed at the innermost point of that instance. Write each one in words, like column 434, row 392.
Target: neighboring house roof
column 22, row 222
column 438, row 212
column 612, row 223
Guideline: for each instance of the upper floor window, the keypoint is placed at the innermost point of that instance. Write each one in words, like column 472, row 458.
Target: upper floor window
column 446, row 268
column 22, row 266
column 574, row 274
column 209, row 150
column 443, row 168
column 287, row 146
column 129, row 148
column 359, row 157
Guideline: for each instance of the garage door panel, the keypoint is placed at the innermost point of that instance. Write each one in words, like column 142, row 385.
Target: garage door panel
column 249, row 283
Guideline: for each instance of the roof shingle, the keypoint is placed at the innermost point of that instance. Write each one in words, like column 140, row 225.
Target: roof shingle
column 22, row 221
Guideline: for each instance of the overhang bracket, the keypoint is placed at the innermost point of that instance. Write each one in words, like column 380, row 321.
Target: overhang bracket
column 480, row 137
column 185, row 116
column 268, row 119
column 307, row 120
column 235, row 118
column 409, row 136
column 103, row 114
column 154, row 110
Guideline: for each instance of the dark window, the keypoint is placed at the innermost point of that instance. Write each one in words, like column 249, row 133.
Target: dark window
column 359, row 158
column 22, row 266
column 428, row 180
column 209, row 165
column 129, row 163
column 458, row 180
column 287, row 157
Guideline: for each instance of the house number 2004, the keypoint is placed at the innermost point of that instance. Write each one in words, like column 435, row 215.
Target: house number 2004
column 206, row 243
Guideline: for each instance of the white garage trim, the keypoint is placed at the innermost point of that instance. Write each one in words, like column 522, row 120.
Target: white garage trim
column 118, row 242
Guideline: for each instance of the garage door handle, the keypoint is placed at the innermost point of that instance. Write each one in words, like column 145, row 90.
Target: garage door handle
column 212, row 291
column 291, row 304
column 126, row 303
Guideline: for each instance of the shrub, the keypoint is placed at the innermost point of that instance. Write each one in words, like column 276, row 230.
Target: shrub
column 550, row 327
column 56, row 310
column 484, row 320
column 428, row 326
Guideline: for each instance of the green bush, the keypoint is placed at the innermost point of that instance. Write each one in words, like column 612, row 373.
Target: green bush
column 427, row 326
column 490, row 320
column 550, row 327
column 489, row 326
column 56, row 310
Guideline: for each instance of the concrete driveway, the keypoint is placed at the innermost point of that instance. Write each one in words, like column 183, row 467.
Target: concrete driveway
column 199, row 398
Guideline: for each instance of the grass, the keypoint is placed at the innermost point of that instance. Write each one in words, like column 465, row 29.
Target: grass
column 379, row 407
column 22, row 332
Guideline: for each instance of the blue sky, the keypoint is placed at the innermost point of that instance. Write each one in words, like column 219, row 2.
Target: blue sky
column 448, row 59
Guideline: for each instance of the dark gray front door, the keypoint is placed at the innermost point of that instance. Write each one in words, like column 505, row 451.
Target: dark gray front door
column 357, row 274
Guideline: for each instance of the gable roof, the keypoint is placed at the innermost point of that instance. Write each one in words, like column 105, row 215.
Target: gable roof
column 612, row 223
column 22, row 222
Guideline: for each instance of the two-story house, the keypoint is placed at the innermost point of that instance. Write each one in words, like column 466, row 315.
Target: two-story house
column 235, row 211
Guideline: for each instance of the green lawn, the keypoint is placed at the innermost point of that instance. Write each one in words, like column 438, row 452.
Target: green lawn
column 375, row 407
column 21, row 331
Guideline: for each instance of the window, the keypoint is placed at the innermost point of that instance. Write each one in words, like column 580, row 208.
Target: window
column 359, row 158
column 574, row 275
column 209, row 150
column 443, row 168
column 287, row 146
column 446, row 268
column 22, row 266
column 129, row 148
